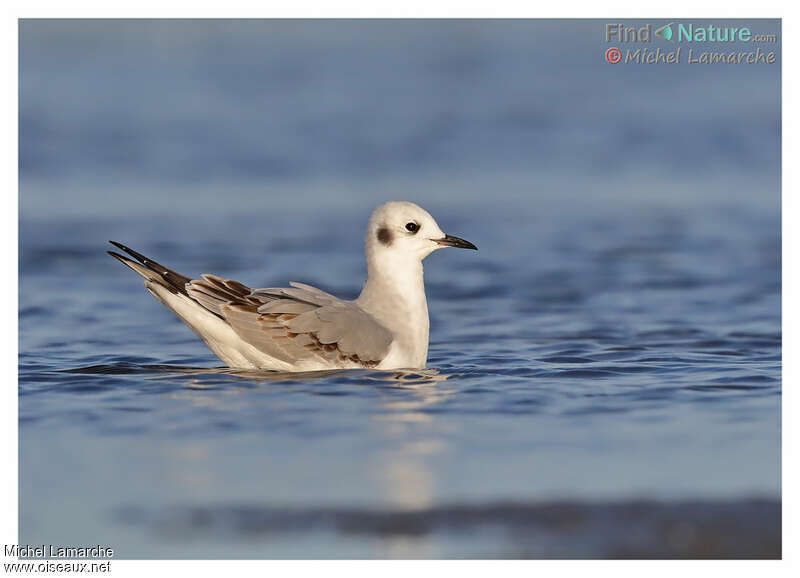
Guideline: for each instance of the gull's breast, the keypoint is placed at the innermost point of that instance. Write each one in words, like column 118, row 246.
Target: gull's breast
column 406, row 354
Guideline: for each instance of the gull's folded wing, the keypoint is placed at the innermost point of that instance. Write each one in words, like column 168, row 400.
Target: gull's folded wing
column 294, row 324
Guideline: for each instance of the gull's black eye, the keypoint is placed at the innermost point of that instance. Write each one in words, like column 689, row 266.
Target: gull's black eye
column 412, row 226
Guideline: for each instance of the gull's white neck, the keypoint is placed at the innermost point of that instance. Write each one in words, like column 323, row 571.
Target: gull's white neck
column 395, row 294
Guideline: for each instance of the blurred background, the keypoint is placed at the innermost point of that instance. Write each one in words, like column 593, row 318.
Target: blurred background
column 612, row 352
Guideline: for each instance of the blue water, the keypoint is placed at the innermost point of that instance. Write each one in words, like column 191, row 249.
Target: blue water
column 612, row 352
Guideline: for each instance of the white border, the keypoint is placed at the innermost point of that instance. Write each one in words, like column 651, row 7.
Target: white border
column 412, row 9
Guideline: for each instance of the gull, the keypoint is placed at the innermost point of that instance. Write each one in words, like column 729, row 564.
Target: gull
column 302, row 328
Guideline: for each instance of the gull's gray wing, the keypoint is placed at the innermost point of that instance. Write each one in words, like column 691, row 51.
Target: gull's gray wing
column 296, row 323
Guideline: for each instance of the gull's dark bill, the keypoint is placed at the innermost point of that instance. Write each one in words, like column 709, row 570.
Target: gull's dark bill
column 451, row 241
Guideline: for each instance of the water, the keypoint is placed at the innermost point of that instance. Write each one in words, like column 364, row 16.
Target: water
column 611, row 354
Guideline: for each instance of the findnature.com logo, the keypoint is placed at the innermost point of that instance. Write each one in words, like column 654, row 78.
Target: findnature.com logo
column 673, row 32
column 677, row 33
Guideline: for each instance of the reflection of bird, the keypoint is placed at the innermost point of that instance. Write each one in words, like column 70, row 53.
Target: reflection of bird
column 301, row 328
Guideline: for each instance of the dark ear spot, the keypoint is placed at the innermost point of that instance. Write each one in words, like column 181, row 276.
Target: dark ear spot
column 385, row 236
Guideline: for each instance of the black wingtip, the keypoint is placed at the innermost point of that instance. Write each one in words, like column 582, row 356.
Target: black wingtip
column 136, row 255
column 119, row 257
column 119, row 246
column 173, row 279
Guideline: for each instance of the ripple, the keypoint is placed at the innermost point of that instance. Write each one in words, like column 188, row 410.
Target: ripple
column 729, row 387
column 565, row 359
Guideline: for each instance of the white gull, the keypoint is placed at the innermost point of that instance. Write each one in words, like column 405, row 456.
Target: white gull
column 301, row 328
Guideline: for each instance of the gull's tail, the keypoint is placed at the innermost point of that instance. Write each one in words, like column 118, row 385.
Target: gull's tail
column 169, row 288
column 151, row 270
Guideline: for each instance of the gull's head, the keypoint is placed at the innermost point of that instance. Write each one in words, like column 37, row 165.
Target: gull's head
column 401, row 228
